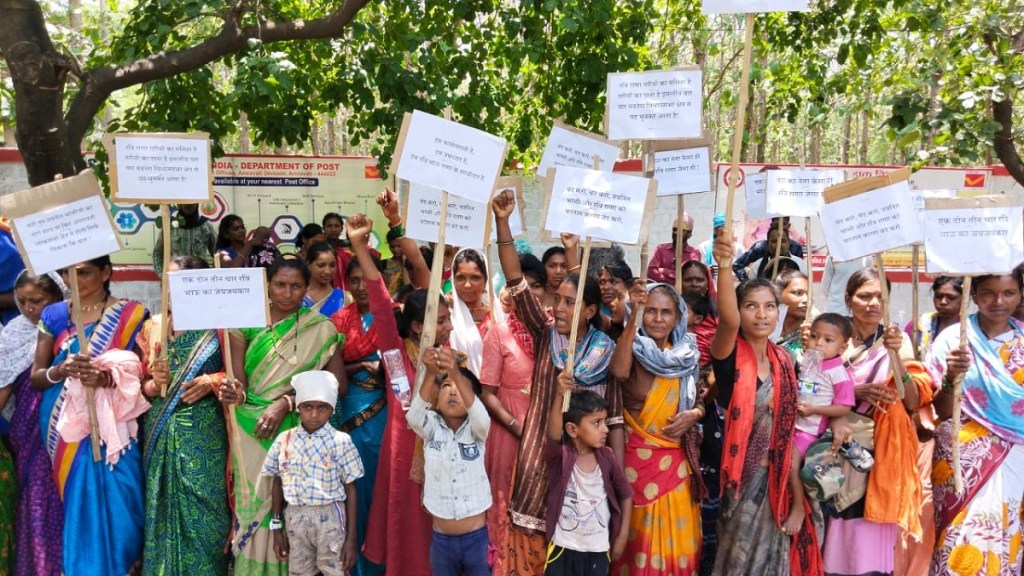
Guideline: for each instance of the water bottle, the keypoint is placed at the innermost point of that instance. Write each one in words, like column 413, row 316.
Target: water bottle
column 394, row 365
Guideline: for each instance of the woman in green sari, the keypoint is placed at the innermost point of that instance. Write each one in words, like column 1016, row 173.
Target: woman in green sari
column 264, row 362
column 186, row 450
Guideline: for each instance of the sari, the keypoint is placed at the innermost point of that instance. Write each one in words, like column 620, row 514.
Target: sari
column 314, row 339
column 103, row 504
column 792, row 343
column 528, row 501
column 979, row 532
column 185, row 459
column 17, row 347
column 398, row 532
column 328, row 305
column 756, row 498
column 894, row 493
column 362, row 413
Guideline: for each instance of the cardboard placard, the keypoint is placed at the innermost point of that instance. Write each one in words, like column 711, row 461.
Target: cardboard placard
column 871, row 222
column 61, row 223
column 754, row 186
column 659, row 104
column 568, row 146
column 219, row 298
column 604, row 205
column 464, row 224
column 683, row 169
column 160, row 168
column 798, row 192
column 980, row 235
column 749, row 6
column 516, row 222
column 920, row 196
column 449, row 156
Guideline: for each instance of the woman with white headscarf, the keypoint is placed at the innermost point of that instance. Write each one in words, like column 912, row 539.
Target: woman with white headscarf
column 471, row 310
column 40, row 517
column 656, row 364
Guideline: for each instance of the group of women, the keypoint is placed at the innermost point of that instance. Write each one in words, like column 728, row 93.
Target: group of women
column 702, row 405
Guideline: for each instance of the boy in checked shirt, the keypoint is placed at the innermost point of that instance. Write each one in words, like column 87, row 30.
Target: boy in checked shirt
column 456, row 491
column 314, row 468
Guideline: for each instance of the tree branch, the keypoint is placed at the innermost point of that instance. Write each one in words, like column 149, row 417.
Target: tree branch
column 721, row 77
column 1002, row 112
column 102, row 82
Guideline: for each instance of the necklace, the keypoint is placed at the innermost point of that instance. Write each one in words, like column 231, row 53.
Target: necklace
column 294, row 360
column 96, row 306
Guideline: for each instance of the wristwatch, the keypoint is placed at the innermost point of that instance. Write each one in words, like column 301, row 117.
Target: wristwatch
column 276, row 523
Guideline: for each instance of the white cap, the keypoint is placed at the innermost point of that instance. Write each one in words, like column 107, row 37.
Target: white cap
column 315, row 386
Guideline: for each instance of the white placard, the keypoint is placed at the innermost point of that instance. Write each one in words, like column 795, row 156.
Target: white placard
column 61, row 223
column 683, row 171
column 570, row 148
column 798, row 192
column 160, row 168
column 63, row 236
column 754, row 187
column 464, row 224
column 450, row 156
column 217, row 298
column 661, row 104
column 919, row 197
column 746, row 6
column 972, row 240
column 872, row 222
column 515, row 221
column 602, row 205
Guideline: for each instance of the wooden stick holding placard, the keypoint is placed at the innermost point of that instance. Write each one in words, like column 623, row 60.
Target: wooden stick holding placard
column 83, row 348
column 778, row 250
column 165, row 215
column 958, row 388
column 570, row 361
column 898, row 369
column 232, row 421
column 810, row 269
column 915, row 279
column 741, row 118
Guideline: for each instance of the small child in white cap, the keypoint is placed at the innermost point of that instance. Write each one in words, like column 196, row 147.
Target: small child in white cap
column 314, row 468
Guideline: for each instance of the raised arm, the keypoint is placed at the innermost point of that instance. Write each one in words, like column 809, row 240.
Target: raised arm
column 358, row 227
column 622, row 358
column 503, row 205
column 728, row 330
column 571, row 243
column 388, row 202
column 565, row 386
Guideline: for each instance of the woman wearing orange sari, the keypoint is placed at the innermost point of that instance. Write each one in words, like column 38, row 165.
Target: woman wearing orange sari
column 657, row 370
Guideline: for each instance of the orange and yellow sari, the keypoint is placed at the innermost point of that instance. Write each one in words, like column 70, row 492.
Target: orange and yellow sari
column 665, row 527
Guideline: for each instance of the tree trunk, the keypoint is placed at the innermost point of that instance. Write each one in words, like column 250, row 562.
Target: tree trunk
column 1002, row 112
column 314, row 137
column 39, row 75
column 815, row 144
column 332, row 138
column 865, row 120
column 844, row 146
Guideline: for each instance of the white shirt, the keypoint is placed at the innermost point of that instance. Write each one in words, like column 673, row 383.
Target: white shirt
column 455, row 484
column 583, row 523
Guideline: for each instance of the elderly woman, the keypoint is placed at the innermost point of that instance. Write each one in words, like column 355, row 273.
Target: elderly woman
column 103, row 513
column 765, row 525
column 980, row 530
column 656, row 365
column 39, row 517
column 892, row 499
column 264, row 361
column 186, row 449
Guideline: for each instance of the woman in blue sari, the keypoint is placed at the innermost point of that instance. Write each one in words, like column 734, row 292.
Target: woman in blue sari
column 362, row 412
column 322, row 296
column 103, row 501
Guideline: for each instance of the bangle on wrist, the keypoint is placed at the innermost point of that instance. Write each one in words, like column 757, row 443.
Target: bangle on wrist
column 291, row 402
column 947, row 382
column 48, row 378
column 505, row 242
column 574, row 268
column 512, row 423
column 906, row 376
column 276, row 524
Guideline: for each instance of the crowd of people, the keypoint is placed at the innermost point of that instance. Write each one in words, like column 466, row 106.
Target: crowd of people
column 703, row 433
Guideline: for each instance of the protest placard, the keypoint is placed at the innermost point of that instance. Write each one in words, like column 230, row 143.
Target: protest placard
column 516, row 222
column 919, row 197
column 754, row 188
column 599, row 204
column 869, row 222
column 682, row 169
column 464, row 225
column 980, row 235
column 449, row 156
column 160, row 167
column 61, row 223
column 219, row 298
column 798, row 192
column 659, row 104
column 568, row 146
column 748, row 6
